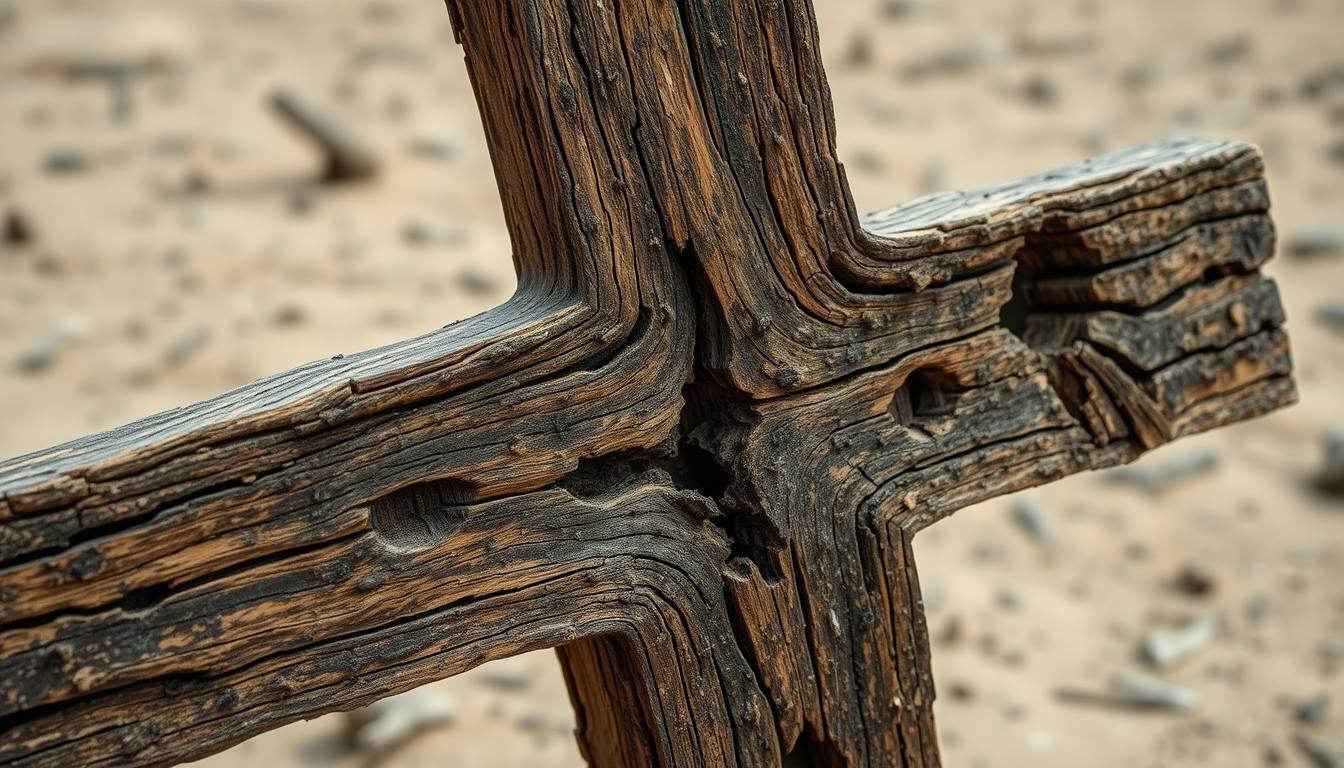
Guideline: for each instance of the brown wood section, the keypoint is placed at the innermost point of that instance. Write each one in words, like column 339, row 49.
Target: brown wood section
column 691, row 452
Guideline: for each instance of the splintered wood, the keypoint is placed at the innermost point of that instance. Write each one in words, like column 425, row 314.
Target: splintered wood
column 691, row 452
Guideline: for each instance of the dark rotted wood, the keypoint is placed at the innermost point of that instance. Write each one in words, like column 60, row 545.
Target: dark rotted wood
column 691, row 452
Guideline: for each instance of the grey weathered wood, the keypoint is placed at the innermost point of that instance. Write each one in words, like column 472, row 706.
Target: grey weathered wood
column 691, row 452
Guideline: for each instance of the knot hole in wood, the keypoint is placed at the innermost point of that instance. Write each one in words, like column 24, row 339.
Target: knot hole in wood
column 927, row 393
column 420, row 515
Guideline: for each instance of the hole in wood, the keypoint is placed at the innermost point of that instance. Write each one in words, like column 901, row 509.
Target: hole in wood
column 701, row 471
column 1013, row 316
column 813, row 752
column 926, row 394
column 420, row 515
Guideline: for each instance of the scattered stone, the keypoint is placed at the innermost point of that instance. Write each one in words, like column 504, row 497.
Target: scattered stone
column 1054, row 47
column 187, row 345
column 962, row 692
column 1259, row 609
column 1143, row 690
column 1322, row 754
column 1229, row 51
column 1031, row 518
column 345, row 158
column 988, row 644
column 989, row 549
column 1272, row 754
column 67, row 160
column 1009, row 599
column 1332, row 649
column 1313, row 711
column 1324, row 239
column 1336, row 151
column 1137, row 551
column 301, row 202
column 1041, row 90
column 1331, row 315
column 899, row 9
column 44, row 351
column 1134, row 691
column 883, row 112
column 442, row 148
column 1270, row 96
column 382, row 11
column 867, row 160
column 1321, row 83
column 1167, row 649
column 504, row 678
column 476, row 281
column 172, row 145
column 18, row 230
column 387, row 724
column 175, row 258
column 1212, row 726
column 1137, row 77
column 1196, row 580
column 952, row 61
column 1013, row 709
column 1155, row 475
column 195, row 182
column 288, row 316
column 126, row 41
column 427, row 233
column 388, row 52
column 952, row 632
column 538, row 722
column 1332, row 474
column 860, row 53
column 260, row 10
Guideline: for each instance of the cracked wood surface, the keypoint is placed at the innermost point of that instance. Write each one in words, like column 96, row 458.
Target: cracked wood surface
column 691, row 452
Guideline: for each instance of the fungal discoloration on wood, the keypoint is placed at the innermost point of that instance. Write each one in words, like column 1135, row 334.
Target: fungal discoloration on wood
column 691, row 452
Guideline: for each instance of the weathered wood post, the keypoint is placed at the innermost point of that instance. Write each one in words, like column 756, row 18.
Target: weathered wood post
column 691, row 451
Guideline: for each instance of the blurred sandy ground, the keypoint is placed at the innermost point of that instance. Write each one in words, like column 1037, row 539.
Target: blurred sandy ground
column 164, row 244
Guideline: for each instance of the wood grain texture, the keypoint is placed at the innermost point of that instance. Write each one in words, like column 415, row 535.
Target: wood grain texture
column 691, row 452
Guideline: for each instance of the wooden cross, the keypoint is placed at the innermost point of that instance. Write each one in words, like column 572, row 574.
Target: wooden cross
column 691, row 452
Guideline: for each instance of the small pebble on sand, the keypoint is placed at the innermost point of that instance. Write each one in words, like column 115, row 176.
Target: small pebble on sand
column 387, row 724
column 1157, row 474
column 1166, row 649
column 1196, row 580
column 1319, row 240
column 1031, row 517
column 1331, row 315
column 1332, row 473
